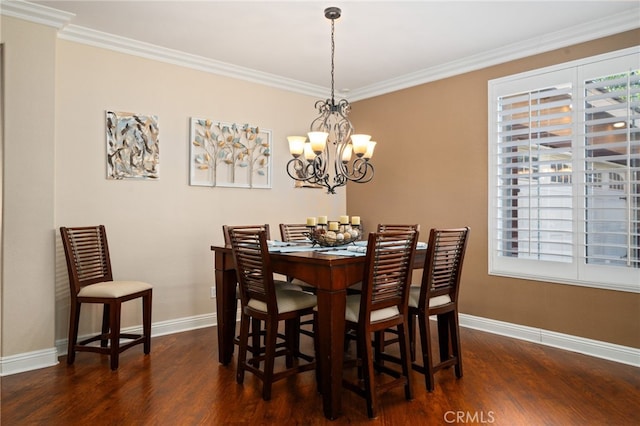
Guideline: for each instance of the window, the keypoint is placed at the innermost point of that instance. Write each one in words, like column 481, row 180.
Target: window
column 564, row 173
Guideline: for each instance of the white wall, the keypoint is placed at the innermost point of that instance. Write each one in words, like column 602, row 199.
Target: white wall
column 159, row 231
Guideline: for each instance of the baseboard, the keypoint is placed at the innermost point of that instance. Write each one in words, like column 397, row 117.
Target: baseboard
column 28, row 361
column 596, row 348
column 46, row 358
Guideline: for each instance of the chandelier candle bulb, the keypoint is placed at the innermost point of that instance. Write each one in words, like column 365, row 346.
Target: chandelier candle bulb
column 322, row 220
column 311, row 221
column 370, row 147
column 346, row 154
column 360, row 144
column 296, row 145
column 333, row 226
column 355, row 220
column 309, row 155
column 318, row 141
column 344, row 220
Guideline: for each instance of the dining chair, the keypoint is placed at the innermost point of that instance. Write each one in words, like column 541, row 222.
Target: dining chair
column 438, row 295
column 262, row 300
column 294, row 232
column 298, row 233
column 91, row 281
column 382, row 342
column 382, row 304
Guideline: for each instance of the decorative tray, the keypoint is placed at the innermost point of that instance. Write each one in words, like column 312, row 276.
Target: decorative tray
column 346, row 234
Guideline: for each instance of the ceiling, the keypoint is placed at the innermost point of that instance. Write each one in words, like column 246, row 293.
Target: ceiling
column 379, row 45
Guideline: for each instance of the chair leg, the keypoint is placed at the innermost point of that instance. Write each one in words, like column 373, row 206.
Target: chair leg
column 106, row 321
column 270, row 354
column 444, row 340
column 455, row 342
column 115, row 334
column 242, row 347
column 74, row 321
column 412, row 336
column 292, row 337
column 378, row 346
column 146, row 322
column 256, row 331
column 403, row 340
column 425, row 337
column 366, row 356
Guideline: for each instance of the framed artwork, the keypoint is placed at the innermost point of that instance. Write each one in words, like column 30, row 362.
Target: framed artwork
column 229, row 155
column 132, row 146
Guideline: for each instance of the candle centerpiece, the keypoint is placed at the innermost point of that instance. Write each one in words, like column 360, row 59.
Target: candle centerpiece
column 333, row 233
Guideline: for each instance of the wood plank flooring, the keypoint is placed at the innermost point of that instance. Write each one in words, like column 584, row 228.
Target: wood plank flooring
column 506, row 382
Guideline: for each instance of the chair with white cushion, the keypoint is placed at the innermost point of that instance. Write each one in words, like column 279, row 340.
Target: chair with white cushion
column 91, row 281
column 261, row 299
column 438, row 295
column 382, row 304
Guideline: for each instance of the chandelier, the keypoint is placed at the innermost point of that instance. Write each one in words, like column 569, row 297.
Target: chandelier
column 331, row 133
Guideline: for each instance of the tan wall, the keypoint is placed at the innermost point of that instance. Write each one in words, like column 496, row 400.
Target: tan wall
column 431, row 168
column 159, row 231
column 28, row 189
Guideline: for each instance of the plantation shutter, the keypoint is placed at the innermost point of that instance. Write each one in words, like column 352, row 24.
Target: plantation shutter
column 534, row 183
column 612, row 169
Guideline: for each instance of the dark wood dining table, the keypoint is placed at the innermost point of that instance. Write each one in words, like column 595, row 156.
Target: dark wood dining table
column 331, row 275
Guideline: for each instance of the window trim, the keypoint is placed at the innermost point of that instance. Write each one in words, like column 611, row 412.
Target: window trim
column 571, row 273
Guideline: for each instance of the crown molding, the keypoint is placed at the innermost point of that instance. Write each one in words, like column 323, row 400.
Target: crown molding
column 150, row 51
column 576, row 34
column 35, row 13
column 607, row 26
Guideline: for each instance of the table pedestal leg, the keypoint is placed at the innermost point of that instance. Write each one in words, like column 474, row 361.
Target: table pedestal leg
column 331, row 323
column 226, row 307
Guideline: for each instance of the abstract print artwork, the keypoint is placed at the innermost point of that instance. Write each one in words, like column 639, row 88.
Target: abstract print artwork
column 229, row 154
column 132, row 146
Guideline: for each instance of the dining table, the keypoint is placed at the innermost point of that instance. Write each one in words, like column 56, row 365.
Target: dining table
column 331, row 272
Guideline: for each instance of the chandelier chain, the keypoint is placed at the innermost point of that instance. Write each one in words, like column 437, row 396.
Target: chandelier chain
column 333, row 48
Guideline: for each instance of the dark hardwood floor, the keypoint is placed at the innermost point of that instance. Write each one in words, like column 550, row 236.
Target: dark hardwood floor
column 506, row 382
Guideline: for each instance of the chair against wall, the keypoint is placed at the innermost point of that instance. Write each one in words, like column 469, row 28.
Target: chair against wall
column 91, row 281
column 260, row 299
column 438, row 295
column 382, row 304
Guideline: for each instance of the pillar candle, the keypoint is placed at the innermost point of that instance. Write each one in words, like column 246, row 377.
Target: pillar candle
column 322, row 220
column 355, row 220
column 333, row 226
column 311, row 221
column 344, row 220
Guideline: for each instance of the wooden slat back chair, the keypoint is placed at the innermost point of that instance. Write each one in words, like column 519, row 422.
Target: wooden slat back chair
column 386, row 227
column 389, row 227
column 260, row 299
column 256, row 331
column 382, row 304
column 294, row 232
column 91, row 281
column 438, row 295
